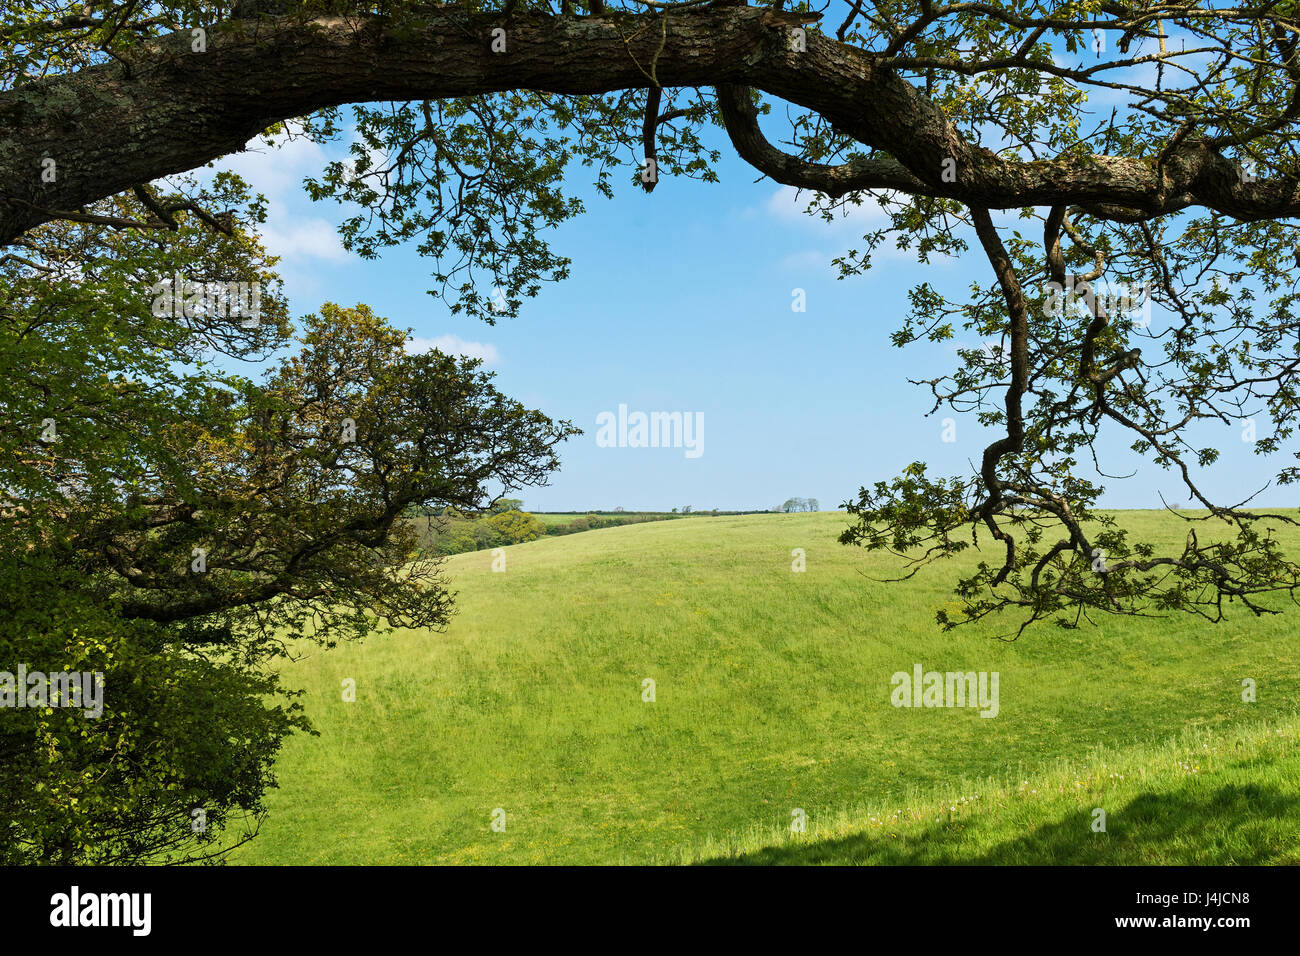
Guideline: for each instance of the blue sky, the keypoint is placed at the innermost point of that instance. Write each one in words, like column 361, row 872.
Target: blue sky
column 681, row 300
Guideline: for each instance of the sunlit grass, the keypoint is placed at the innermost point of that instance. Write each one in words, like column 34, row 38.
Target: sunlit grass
column 772, row 693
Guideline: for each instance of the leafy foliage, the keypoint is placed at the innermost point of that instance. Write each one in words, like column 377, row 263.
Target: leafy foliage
column 173, row 525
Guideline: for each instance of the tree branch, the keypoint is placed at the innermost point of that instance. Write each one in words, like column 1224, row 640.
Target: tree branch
column 181, row 109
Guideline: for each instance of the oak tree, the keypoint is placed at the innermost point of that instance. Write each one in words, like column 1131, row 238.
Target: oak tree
column 467, row 117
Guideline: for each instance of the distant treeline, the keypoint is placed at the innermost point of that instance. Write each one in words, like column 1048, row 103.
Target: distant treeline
column 446, row 532
column 591, row 520
column 686, row 512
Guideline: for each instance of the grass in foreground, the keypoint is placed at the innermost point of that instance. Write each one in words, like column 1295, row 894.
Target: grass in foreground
column 771, row 694
column 1201, row 799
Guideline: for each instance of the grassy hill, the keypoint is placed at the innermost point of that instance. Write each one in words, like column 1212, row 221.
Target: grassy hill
column 772, row 695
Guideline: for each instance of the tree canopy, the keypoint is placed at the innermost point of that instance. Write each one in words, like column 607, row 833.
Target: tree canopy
column 467, row 117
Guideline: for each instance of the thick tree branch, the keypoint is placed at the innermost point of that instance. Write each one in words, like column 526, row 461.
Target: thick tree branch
column 741, row 119
column 178, row 109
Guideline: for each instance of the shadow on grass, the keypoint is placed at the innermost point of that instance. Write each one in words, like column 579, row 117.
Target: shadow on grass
column 1235, row 824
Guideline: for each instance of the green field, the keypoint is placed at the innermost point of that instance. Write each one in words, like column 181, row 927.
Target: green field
column 773, row 696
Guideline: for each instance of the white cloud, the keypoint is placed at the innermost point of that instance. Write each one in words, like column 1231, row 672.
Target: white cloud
column 807, row 259
column 305, row 238
column 454, row 345
column 277, row 170
column 788, row 205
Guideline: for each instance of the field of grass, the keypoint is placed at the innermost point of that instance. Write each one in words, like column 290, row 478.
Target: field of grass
column 772, row 695
column 1208, row 798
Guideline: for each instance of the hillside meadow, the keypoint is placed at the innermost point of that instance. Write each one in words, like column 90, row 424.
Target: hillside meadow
column 771, row 704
